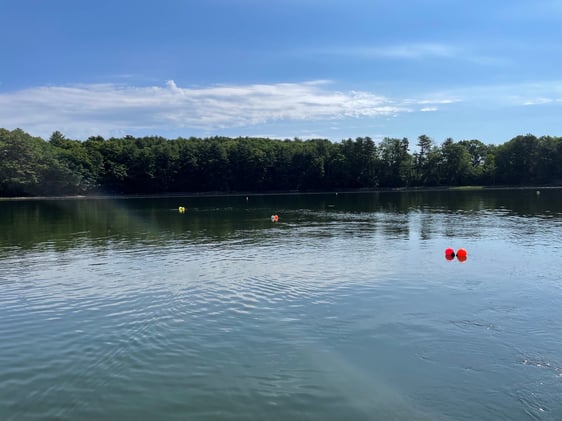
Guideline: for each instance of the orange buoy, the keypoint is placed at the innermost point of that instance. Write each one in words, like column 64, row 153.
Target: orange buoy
column 275, row 218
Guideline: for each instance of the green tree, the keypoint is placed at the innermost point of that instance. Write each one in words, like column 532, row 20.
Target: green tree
column 74, row 159
column 422, row 160
column 455, row 163
column 360, row 162
column 394, row 162
column 32, row 166
column 114, row 169
column 481, row 162
column 188, row 176
column 23, row 162
column 214, row 165
column 517, row 159
column 548, row 160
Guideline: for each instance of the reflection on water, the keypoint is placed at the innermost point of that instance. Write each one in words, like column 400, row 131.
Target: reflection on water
column 345, row 308
column 65, row 223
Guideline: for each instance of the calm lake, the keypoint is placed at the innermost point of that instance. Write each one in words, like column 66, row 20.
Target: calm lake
column 345, row 308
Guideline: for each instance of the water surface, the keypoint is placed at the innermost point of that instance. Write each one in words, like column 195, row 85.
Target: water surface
column 344, row 309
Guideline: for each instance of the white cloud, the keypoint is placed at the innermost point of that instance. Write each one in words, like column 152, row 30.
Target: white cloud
column 438, row 101
column 80, row 111
column 538, row 101
column 410, row 51
column 84, row 110
column 416, row 50
column 498, row 96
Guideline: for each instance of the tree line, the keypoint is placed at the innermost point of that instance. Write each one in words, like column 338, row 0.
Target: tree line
column 31, row 166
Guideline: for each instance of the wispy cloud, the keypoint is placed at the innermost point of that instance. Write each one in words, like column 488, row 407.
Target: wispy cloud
column 437, row 100
column 409, row 51
column 413, row 51
column 83, row 110
column 497, row 96
column 80, row 111
column 538, row 101
column 518, row 94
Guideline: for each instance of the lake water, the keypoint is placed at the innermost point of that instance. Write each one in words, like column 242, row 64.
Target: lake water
column 344, row 309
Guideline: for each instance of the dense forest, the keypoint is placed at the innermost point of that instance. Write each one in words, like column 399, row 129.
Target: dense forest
column 31, row 166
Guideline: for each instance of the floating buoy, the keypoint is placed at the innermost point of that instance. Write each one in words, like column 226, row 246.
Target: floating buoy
column 462, row 255
column 181, row 209
column 274, row 218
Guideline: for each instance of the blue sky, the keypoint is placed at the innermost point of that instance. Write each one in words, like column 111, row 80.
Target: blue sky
column 487, row 70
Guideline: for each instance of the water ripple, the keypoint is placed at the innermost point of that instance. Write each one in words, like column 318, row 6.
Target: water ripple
column 329, row 314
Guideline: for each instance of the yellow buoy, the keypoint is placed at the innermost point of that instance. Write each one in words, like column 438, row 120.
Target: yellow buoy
column 181, row 209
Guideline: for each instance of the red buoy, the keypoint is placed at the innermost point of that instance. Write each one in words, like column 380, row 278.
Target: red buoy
column 449, row 254
column 462, row 255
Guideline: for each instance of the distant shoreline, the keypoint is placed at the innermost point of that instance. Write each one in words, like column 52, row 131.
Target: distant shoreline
column 282, row 193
